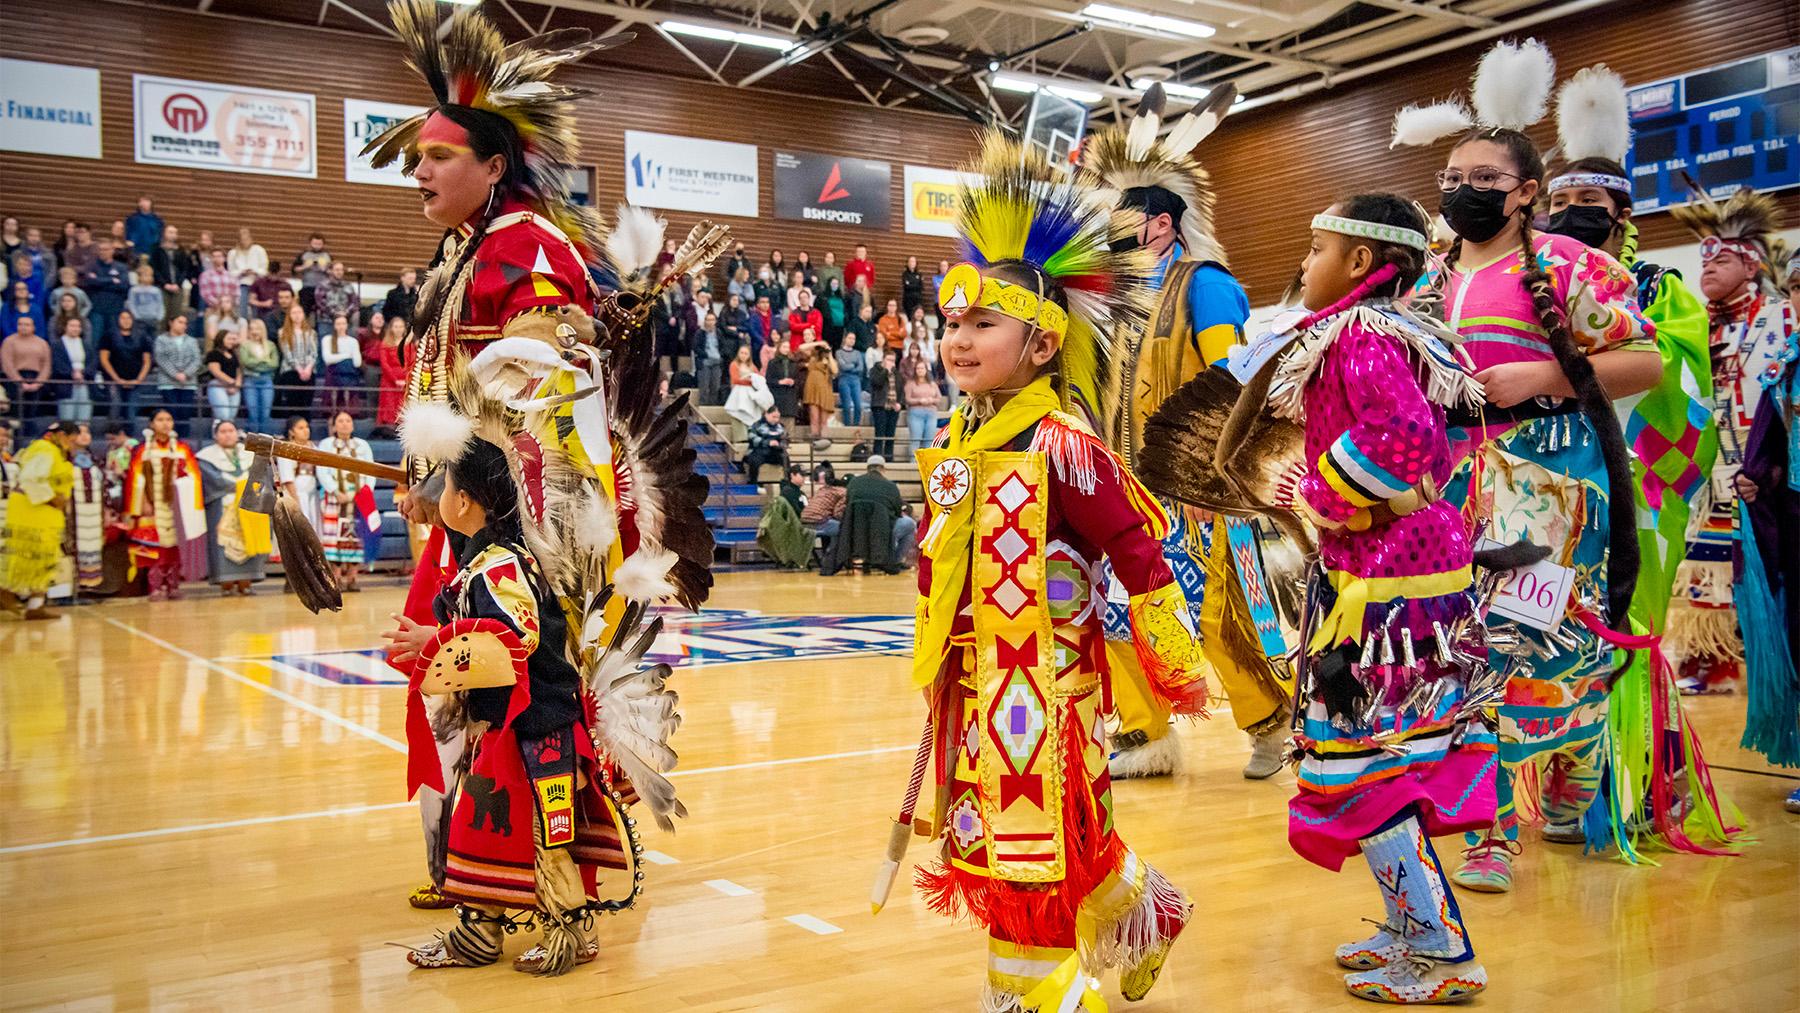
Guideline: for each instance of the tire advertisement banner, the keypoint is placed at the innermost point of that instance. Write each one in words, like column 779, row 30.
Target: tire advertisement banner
column 930, row 200
column 830, row 188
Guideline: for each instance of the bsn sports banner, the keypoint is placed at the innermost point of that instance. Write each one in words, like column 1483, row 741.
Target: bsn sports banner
column 224, row 127
column 690, row 174
column 363, row 122
column 49, row 109
column 930, row 200
column 829, row 188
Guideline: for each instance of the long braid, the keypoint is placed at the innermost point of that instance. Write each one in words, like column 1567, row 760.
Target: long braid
column 1622, row 558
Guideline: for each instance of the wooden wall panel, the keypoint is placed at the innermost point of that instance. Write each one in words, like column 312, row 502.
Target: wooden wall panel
column 378, row 229
column 1277, row 166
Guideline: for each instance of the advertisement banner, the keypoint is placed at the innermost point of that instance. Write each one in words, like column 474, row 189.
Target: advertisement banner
column 931, row 200
column 49, row 109
column 828, row 188
column 690, row 174
column 363, row 122
column 226, row 128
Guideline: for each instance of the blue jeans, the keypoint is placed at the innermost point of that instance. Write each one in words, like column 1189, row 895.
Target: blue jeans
column 224, row 402
column 259, row 396
column 75, row 405
column 849, row 389
column 179, row 400
column 921, row 423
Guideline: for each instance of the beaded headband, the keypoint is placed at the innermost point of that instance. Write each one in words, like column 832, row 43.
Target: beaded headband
column 1604, row 181
column 1371, row 230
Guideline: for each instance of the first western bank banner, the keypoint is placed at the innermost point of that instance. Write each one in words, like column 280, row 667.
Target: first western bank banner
column 690, row 174
column 49, row 109
column 196, row 125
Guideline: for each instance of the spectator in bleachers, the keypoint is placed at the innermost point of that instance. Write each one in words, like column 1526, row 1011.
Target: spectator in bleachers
column 797, row 285
column 912, row 287
column 778, row 267
column 734, row 324
column 906, row 537
column 368, row 339
column 834, row 306
column 668, row 319
column 299, row 344
column 861, row 267
column 341, row 356
column 892, row 326
column 922, row 399
column 68, row 308
column 403, row 298
column 259, row 358
column 224, row 376
column 25, row 362
column 174, row 268
column 107, row 283
column 829, row 271
column 737, row 260
column 395, row 356
column 884, row 401
column 222, row 316
column 80, row 251
column 804, row 265
column 265, row 294
column 216, row 283
column 824, row 511
column 818, row 394
column 741, row 286
column 765, row 327
column 144, row 228
column 123, row 250
column 71, row 370
column 937, row 280
column 126, row 361
column 42, row 258
column 750, row 395
column 25, row 272
column 10, row 238
column 862, row 327
column 770, row 286
column 768, row 445
column 21, row 303
column 792, row 487
column 805, row 324
column 247, row 261
column 237, row 547
column 145, row 299
column 851, row 369
column 68, row 284
column 860, row 297
column 871, row 504
column 312, row 265
column 917, row 320
column 782, row 372
column 709, row 360
column 178, row 360
column 335, row 296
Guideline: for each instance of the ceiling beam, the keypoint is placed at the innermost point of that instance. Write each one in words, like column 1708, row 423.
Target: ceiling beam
column 1225, row 49
column 1424, row 10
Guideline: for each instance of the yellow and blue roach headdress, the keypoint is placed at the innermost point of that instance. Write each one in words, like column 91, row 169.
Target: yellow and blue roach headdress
column 1022, row 212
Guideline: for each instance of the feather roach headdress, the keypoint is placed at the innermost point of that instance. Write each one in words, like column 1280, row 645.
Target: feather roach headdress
column 1511, row 91
column 1121, row 163
column 503, row 91
column 1743, row 222
column 1022, row 212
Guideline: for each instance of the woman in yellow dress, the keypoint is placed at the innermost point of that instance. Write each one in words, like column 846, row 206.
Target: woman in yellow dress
column 36, row 512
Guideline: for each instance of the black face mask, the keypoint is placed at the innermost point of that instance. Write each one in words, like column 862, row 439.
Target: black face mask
column 1475, row 215
column 1590, row 224
column 1125, row 244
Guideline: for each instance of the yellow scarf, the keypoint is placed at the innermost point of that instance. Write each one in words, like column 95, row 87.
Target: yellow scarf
column 952, row 530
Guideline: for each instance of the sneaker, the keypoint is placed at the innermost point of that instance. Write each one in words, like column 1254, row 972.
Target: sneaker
column 1266, row 752
column 533, row 959
column 1564, row 833
column 1148, row 758
column 1487, row 867
column 1379, row 950
column 1414, row 981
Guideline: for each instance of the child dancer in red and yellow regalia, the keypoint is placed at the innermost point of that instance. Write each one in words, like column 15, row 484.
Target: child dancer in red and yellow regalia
column 1024, row 500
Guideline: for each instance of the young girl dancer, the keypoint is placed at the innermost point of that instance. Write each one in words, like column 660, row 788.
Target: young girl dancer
column 1023, row 501
column 1393, row 750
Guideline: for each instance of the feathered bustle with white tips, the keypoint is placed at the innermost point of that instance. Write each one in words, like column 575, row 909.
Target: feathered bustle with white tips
column 434, row 431
column 635, row 241
column 1423, row 124
column 1592, row 118
column 1512, row 84
column 644, row 576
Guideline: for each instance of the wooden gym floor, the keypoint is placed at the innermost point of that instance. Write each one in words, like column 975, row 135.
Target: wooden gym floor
column 202, row 810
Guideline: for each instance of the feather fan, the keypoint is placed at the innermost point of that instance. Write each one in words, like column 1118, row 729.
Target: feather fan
column 1512, row 84
column 1592, row 120
column 1424, row 124
column 634, row 243
column 635, row 710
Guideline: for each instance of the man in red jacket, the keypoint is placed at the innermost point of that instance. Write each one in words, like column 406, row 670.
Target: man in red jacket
column 860, row 266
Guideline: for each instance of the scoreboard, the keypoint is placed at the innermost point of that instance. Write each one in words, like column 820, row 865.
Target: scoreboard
column 1730, row 126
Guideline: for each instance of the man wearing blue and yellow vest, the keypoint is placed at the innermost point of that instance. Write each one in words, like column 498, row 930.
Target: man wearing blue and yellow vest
column 1200, row 313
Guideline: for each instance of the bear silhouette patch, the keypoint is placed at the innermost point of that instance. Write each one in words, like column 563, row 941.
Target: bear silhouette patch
column 489, row 806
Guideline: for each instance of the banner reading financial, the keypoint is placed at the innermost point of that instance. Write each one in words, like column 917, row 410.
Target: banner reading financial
column 931, row 200
column 363, row 122
column 690, row 174
column 830, row 188
column 224, row 127
column 49, row 109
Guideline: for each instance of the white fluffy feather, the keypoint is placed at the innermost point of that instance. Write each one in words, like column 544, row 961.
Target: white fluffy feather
column 644, row 576
column 1592, row 120
column 596, row 527
column 1512, row 84
column 434, row 431
column 635, row 240
column 1416, row 124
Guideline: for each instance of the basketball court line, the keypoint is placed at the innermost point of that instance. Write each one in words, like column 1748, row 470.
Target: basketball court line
column 253, row 821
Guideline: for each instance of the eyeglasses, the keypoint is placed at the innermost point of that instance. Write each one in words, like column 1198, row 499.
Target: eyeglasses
column 1713, row 246
column 1484, row 177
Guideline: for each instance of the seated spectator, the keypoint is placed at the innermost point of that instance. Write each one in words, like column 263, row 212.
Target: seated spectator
column 792, row 488
column 336, row 296
column 178, row 362
column 768, row 445
column 871, row 504
column 824, row 511
column 906, row 538
column 403, row 298
column 145, row 300
column 70, row 372
column 912, row 287
column 892, row 326
column 25, row 362
column 850, row 371
column 780, row 533
column 21, row 304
